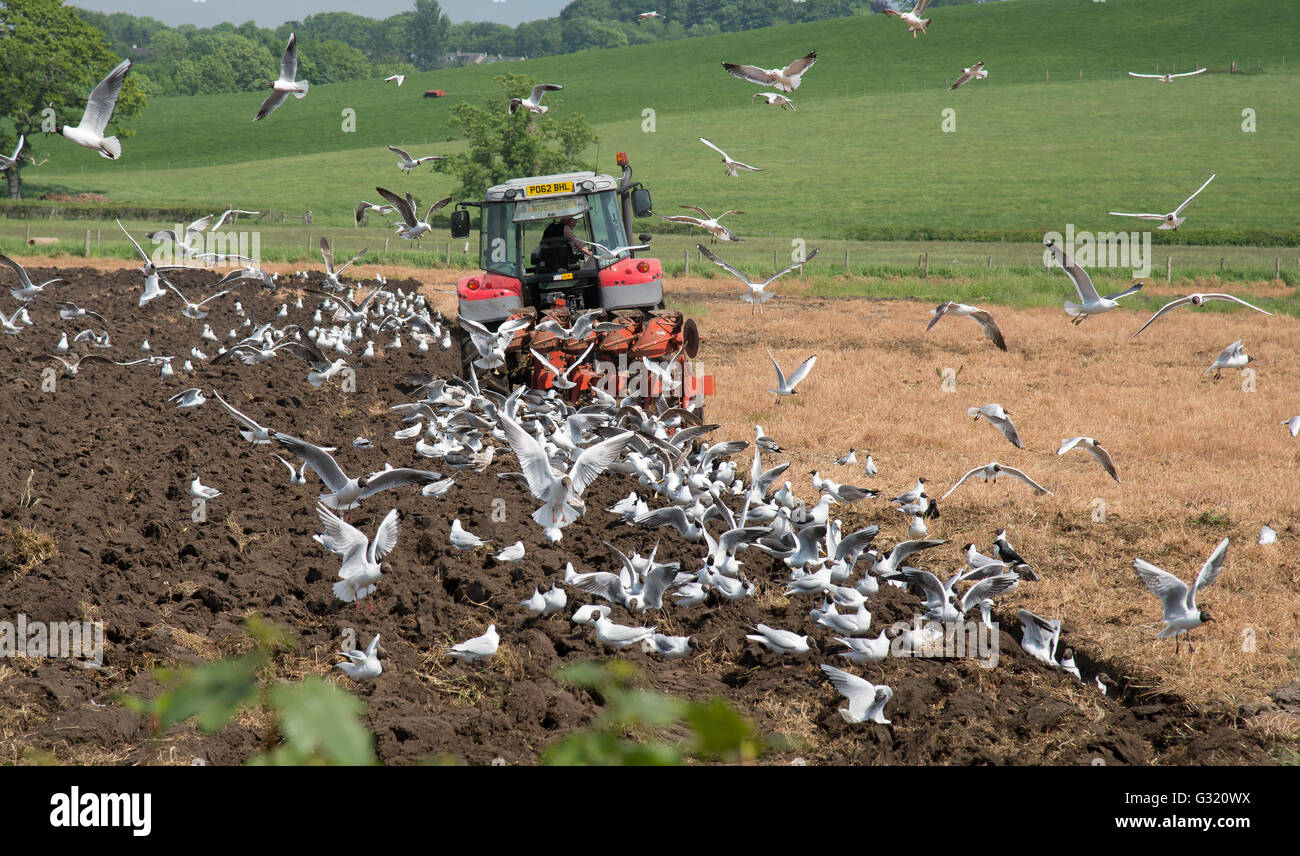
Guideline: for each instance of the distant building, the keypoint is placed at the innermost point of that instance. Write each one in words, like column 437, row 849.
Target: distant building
column 477, row 58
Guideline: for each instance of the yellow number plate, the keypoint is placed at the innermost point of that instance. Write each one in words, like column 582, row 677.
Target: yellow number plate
column 548, row 189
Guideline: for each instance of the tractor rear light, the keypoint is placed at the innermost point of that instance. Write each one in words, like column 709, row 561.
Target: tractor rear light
column 643, row 267
column 472, row 285
column 622, row 158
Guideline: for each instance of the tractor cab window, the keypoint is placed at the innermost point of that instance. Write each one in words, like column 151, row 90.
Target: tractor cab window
column 541, row 223
column 498, row 241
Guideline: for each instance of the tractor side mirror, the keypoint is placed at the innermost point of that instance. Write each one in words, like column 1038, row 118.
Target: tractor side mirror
column 644, row 237
column 460, row 224
column 641, row 203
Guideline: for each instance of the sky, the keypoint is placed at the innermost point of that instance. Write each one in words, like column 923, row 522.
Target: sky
column 272, row 13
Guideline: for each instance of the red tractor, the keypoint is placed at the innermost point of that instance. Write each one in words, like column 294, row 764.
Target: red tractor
column 531, row 270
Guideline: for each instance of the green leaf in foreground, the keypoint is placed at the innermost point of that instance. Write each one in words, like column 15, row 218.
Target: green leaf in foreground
column 320, row 724
column 212, row 692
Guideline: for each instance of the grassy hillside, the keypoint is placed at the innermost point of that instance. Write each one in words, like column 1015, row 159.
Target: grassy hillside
column 1057, row 134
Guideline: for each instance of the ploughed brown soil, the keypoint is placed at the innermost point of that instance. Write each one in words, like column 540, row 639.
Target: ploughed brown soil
column 112, row 464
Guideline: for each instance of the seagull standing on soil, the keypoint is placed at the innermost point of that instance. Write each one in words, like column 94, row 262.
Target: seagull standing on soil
column 462, row 540
column 99, row 110
column 785, row 79
column 478, row 648
column 199, row 490
column 1170, row 220
column 1090, row 303
column 866, row 700
column 362, row 665
column 1179, row 602
column 285, row 84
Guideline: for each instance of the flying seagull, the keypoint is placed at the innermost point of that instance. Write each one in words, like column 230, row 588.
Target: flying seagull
column 1092, row 447
column 99, row 110
column 533, row 103
column 1180, row 612
column 1195, row 300
column 915, row 23
column 1231, row 357
column 975, row 72
column 866, row 700
column 981, row 317
column 708, row 224
column 7, row 161
column 1171, row 220
column 1168, row 78
column 362, row 665
column 361, row 568
column 785, row 79
column 285, row 83
column 786, row 386
column 991, row 471
column 1090, row 302
column 777, row 99
column 406, row 163
column 411, row 228
column 756, row 296
column 998, row 418
column 731, row 165
column 346, row 493
column 399, row 79
column 29, row 289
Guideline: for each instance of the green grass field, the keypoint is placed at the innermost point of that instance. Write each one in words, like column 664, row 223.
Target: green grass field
column 1057, row 134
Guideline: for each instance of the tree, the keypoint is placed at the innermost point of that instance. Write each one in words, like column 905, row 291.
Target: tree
column 429, row 30
column 51, row 58
column 502, row 146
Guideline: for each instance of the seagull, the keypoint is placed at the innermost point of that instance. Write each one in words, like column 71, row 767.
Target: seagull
column 775, row 98
column 1267, row 534
column 1292, row 425
column 1232, row 357
column 1171, row 220
column 347, row 493
column 199, row 490
column 847, row 460
column 513, row 553
column 756, row 296
column 152, row 289
column 1004, row 552
column 731, row 165
column 865, row 651
column 708, row 224
column 1093, row 448
column 196, row 310
column 1168, row 78
column 1195, row 300
column 619, row 635
column 399, row 79
column 533, row 103
column 1091, row 303
column 645, row 16
column 99, row 110
column 671, row 647
column 363, row 207
column 975, row 72
column 252, row 431
column 787, row 386
column 463, row 540
column 562, row 380
column 332, row 277
column 915, row 23
column 70, row 311
column 5, row 161
column 998, row 418
column 562, row 492
column 296, row 476
column 866, row 700
column 363, row 665
column 785, row 79
column 361, row 569
column 188, row 398
column 979, row 316
column 1180, row 612
column 1039, row 636
column 406, row 163
column 478, row 648
column 411, row 228
column 285, row 84
column 781, row 641
column 992, row 471
column 870, row 467
column 29, row 289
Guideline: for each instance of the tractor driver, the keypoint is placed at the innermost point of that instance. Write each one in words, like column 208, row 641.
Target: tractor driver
column 561, row 231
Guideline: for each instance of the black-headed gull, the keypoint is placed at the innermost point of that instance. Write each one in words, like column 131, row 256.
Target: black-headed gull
column 362, row 665
column 1292, row 425
column 71, row 368
column 1231, row 357
column 782, row 642
column 1090, row 303
column 1196, row 300
column 786, row 386
column 7, row 161
column 361, row 568
column 285, row 84
column 975, row 72
column 785, row 79
column 915, row 23
column 1168, row 78
column 730, row 165
column 999, row 419
column 1179, row 601
column 29, row 289
column 364, row 207
column 1039, row 636
column 991, row 471
column 1170, row 220
column 199, row 490
column 478, row 648
column 533, row 103
column 412, row 227
column 1092, row 447
column 561, row 380
column 99, row 110
column 196, row 310
column 332, row 275
column 406, row 163
column 866, row 700
column 777, row 99
column 981, row 317
column 399, row 79
column 252, row 431
column 756, row 296
column 346, row 493
column 645, row 16
column 707, row 223
column 463, row 540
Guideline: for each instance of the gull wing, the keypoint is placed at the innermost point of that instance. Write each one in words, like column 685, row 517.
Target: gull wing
column 541, row 89
column 289, row 60
column 327, row 253
column 1082, row 282
column 1188, row 200
column 716, row 149
column 1174, row 304
column 385, row 537
column 400, row 153
column 802, row 372
column 1143, row 216
column 437, row 205
column 143, row 254
column 274, row 100
column 1235, row 300
column 398, row 477
column 1125, row 293
column 774, row 277
column 704, row 251
column 103, row 98
column 780, row 375
column 340, row 537
column 1135, row 74
column 321, row 461
column 988, row 587
column 936, row 596
column 1017, row 474
column 403, row 207
column 961, row 481
column 1190, row 73
column 801, row 65
column 595, row 459
column 242, row 418
column 985, row 320
column 752, row 73
column 1209, row 572
column 1172, row 591
column 859, row 692
column 1103, row 458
